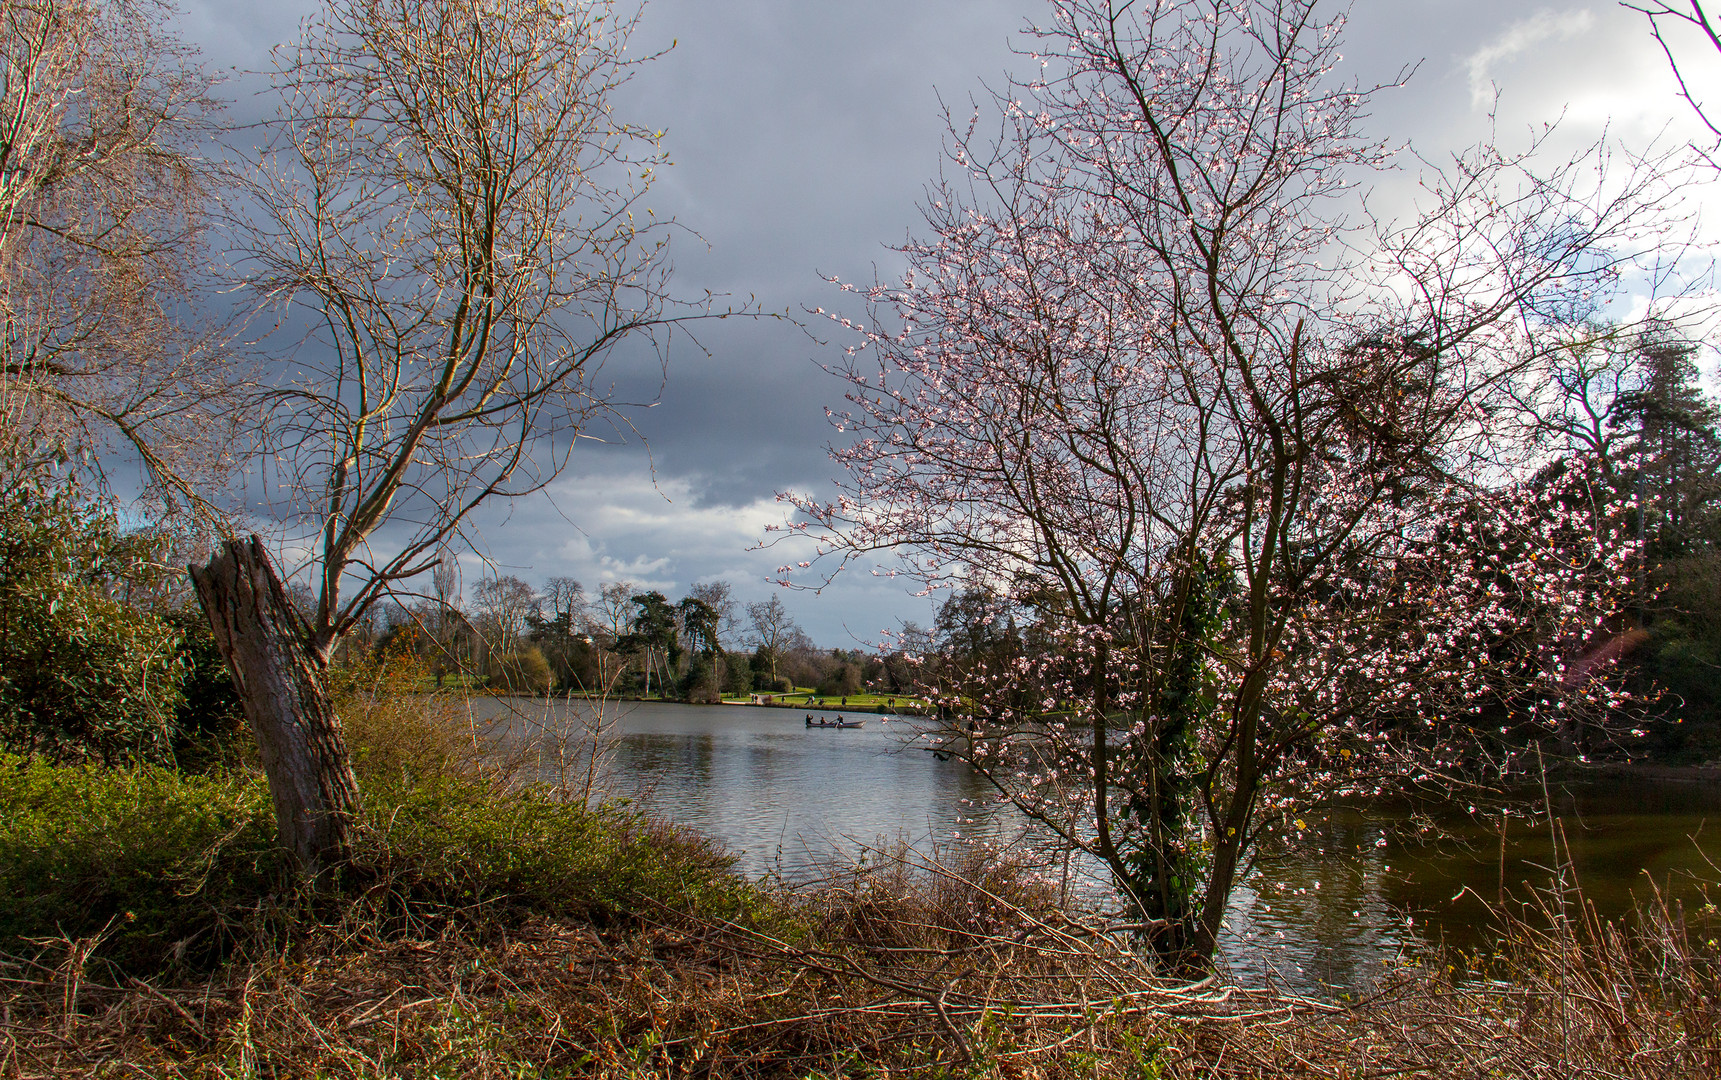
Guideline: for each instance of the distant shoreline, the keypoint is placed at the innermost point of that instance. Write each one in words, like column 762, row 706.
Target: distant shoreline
column 868, row 709
column 1708, row 773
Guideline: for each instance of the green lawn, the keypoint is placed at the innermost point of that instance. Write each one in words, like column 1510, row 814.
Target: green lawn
column 427, row 683
column 802, row 697
column 805, row 697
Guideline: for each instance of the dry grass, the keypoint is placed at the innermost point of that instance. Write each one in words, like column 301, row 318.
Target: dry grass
column 395, row 731
column 399, row 732
column 908, row 967
column 970, row 967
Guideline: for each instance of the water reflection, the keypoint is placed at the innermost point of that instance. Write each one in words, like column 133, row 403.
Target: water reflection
column 785, row 797
column 1313, row 924
column 1622, row 840
column 780, row 795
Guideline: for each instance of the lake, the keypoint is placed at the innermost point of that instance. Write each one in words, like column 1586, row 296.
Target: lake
column 785, row 798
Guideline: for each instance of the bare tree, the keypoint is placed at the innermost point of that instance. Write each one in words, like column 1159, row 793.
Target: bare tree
column 611, row 621
column 507, row 606
column 445, row 618
column 567, row 598
column 612, row 614
column 103, row 203
column 716, row 594
column 445, row 580
column 449, row 224
column 773, row 630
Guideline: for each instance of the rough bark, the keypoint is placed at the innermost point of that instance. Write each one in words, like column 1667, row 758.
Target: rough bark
column 283, row 687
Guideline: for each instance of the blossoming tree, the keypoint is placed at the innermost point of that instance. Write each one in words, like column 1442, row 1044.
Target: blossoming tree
column 1244, row 459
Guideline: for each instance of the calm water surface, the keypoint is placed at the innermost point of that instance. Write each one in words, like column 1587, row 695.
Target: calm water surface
column 786, row 798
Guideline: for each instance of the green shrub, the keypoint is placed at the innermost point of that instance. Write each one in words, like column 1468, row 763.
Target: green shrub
column 82, row 675
column 524, row 671
column 738, row 674
column 842, row 681
column 703, row 681
column 455, row 843
column 179, row 869
column 209, row 728
column 166, row 863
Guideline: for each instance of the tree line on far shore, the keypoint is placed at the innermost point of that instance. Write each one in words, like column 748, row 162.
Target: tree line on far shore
column 621, row 640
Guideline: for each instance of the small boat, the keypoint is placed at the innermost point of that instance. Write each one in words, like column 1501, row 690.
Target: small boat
column 838, row 722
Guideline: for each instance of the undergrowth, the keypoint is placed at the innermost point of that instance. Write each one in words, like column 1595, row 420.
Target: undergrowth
column 148, row 926
column 909, row 969
column 175, row 872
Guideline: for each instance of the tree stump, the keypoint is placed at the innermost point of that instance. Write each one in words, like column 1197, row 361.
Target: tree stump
column 283, row 686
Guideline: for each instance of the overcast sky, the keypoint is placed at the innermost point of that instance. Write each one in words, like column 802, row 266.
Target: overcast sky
column 803, row 133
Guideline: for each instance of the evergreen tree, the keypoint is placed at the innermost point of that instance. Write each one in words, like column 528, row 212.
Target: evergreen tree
column 1675, row 459
column 1677, row 451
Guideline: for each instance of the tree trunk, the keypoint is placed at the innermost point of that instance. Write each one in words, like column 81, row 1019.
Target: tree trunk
column 282, row 685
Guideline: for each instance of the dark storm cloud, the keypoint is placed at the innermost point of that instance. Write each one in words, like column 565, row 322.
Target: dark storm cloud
column 803, row 134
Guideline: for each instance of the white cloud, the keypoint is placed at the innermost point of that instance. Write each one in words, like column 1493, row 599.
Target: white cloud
column 611, row 522
column 1517, row 39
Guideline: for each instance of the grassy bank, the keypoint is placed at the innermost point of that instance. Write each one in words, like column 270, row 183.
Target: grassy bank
column 166, row 874
column 148, row 928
